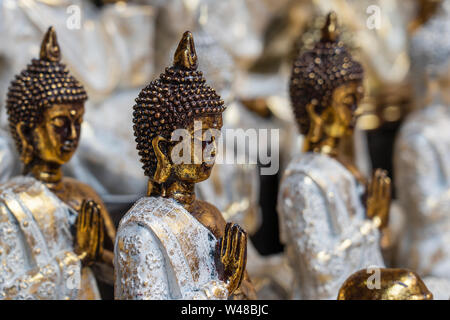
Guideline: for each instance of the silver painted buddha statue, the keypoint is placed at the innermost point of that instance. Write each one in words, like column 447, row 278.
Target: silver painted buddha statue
column 171, row 245
column 422, row 154
column 329, row 221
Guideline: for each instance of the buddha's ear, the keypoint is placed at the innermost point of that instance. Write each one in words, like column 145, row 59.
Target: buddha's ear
column 26, row 154
column 316, row 123
column 164, row 166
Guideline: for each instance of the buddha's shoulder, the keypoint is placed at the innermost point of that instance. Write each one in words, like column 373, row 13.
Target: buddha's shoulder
column 313, row 164
column 209, row 216
column 76, row 187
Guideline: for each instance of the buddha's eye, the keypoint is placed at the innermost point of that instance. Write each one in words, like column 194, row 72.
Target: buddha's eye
column 350, row 102
column 59, row 122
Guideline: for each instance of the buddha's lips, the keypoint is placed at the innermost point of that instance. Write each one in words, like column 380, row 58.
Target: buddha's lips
column 69, row 147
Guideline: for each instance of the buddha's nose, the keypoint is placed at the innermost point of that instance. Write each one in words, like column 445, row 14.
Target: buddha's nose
column 73, row 134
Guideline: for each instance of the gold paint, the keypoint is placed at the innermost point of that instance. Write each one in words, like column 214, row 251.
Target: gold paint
column 170, row 179
column 178, row 183
column 47, row 135
column 331, row 126
column 394, row 284
column 329, row 31
column 185, row 55
column 54, row 141
column 379, row 198
column 50, row 49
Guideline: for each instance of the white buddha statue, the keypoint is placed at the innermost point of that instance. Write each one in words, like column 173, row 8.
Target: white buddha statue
column 422, row 153
column 329, row 222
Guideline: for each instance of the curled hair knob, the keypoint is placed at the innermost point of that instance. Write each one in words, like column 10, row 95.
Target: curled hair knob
column 50, row 48
column 185, row 55
column 330, row 30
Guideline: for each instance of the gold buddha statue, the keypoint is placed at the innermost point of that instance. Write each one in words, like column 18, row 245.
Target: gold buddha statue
column 51, row 227
column 329, row 215
column 388, row 284
column 171, row 245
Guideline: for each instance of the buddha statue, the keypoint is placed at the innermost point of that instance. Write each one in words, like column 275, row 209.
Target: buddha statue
column 329, row 220
column 422, row 153
column 52, row 228
column 393, row 284
column 171, row 245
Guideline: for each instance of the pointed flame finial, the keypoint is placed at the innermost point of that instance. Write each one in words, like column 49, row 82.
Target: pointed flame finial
column 50, row 48
column 329, row 30
column 185, row 55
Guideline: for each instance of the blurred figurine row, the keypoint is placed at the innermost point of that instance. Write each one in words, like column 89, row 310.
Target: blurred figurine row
column 57, row 239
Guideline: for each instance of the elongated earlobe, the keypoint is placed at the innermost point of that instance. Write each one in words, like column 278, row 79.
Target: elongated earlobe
column 316, row 125
column 163, row 167
column 26, row 154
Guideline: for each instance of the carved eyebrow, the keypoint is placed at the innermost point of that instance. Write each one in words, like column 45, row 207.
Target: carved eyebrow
column 59, row 114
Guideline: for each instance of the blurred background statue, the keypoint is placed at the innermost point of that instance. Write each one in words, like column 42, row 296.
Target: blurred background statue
column 329, row 221
column 422, row 154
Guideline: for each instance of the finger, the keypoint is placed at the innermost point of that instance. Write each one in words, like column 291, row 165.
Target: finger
column 101, row 235
column 92, row 212
column 235, row 243
column 229, row 243
column 242, row 256
column 382, row 175
column 378, row 178
column 242, row 245
column 87, row 216
column 93, row 247
column 224, row 240
column 387, row 187
column 82, row 216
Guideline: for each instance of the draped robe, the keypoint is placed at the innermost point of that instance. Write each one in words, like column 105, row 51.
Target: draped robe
column 323, row 226
column 422, row 176
column 162, row 253
column 37, row 260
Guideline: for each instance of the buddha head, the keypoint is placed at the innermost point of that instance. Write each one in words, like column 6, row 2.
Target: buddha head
column 326, row 86
column 394, row 284
column 45, row 106
column 178, row 99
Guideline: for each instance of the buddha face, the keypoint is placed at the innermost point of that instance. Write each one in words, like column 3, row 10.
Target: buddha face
column 56, row 138
column 200, row 165
column 340, row 117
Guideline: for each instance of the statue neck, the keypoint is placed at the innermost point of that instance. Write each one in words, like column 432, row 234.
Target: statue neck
column 327, row 145
column 182, row 192
column 48, row 173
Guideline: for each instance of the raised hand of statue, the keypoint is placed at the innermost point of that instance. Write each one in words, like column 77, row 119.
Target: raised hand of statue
column 379, row 197
column 89, row 232
column 231, row 256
